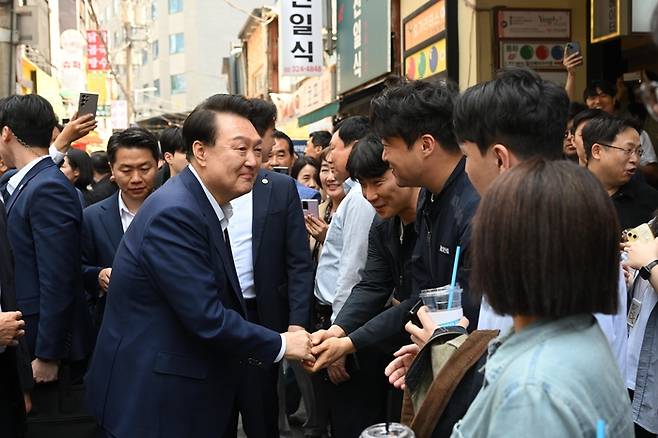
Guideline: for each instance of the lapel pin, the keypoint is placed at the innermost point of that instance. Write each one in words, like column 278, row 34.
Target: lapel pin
column 265, row 180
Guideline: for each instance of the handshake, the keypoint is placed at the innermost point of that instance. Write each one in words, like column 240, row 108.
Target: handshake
column 322, row 349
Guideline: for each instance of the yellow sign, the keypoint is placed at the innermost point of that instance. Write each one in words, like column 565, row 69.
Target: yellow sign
column 427, row 61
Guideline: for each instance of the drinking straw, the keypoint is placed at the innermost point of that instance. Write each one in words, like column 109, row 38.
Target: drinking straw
column 453, row 281
column 600, row 428
column 389, row 410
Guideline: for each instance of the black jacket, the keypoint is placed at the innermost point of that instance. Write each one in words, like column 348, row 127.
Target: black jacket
column 443, row 221
column 365, row 316
column 100, row 190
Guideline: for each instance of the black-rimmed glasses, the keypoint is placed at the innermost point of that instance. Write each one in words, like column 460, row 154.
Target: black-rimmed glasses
column 639, row 151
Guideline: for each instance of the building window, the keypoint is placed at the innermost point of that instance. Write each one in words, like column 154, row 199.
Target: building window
column 175, row 6
column 154, row 10
column 176, row 43
column 177, row 84
column 145, row 57
column 155, row 49
column 156, row 85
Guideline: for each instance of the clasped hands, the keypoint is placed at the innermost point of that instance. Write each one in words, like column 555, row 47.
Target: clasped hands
column 322, row 349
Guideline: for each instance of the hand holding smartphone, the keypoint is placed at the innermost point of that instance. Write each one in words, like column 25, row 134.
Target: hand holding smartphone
column 311, row 207
column 87, row 104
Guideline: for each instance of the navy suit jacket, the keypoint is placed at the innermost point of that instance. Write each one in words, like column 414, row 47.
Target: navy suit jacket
column 283, row 269
column 174, row 344
column 101, row 234
column 44, row 219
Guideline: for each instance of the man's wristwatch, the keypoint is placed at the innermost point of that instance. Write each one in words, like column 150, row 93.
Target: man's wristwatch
column 645, row 271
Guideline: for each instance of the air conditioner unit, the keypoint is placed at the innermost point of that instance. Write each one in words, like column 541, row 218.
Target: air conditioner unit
column 33, row 26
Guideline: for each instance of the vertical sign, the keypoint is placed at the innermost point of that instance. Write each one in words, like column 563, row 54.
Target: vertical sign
column 364, row 41
column 96, row 51
column 300, row 31
column 605, row 18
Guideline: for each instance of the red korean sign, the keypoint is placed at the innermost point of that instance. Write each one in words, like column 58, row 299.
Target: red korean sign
column 97, row 51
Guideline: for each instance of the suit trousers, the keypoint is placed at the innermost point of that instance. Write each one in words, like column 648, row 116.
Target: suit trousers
column 12, row 407
column 258, row 401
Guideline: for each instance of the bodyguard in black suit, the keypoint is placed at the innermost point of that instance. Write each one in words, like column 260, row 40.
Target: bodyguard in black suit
column 282, row 274
column 133, row 157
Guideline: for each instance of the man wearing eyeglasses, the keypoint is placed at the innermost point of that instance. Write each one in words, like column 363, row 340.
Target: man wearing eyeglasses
column 613, row 149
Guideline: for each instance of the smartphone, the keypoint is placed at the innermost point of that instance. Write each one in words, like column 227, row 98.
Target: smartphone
column 311, row 206
column 641, row 233
column 571, row 48
column 87, row 104
column 413, row 313
column 280, row 169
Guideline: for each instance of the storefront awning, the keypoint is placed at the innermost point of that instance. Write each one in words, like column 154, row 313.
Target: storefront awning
column 319, row 114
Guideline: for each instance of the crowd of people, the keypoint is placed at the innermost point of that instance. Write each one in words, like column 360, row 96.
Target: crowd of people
column 189, row 282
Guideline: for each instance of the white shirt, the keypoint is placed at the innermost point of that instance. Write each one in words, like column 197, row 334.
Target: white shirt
column 240, row 232
column 649, row 154
column 224, row 214
column 126, row 215
column 612, row 326
column 643, row 292
column 345, row 250
column 16, row 178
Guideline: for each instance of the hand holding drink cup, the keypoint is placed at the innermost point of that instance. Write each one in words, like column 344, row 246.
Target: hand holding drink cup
column 444, row 304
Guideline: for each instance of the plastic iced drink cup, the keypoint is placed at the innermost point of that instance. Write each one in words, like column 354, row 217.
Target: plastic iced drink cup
column 437, row 299
column 394, row 430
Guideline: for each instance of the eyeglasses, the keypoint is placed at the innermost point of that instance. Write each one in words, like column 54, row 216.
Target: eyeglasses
column 648, row 92
column 638, row 151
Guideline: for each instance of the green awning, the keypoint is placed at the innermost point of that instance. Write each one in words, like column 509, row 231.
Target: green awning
column 319, row 114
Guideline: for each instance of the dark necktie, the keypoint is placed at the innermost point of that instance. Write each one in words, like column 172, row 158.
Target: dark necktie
column 227, row 241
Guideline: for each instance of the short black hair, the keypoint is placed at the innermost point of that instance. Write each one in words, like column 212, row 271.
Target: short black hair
column 200, row 124
column 518, row 109
column 603, row 129
column 605, row 86
column 574, row 109
column 171, row 140
column 138, row 138
column 283, row 136
column 547, row 205
column 30, row 117
column 320, row 138
column 412, row 109
column 352, row 129
column 365, row 160
column 263, row 115
column 100, row 163
column 302, row 162
column 585, row 116
column 80, row 161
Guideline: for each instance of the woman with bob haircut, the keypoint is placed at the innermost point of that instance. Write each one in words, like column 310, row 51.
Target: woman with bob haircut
column 545, row 250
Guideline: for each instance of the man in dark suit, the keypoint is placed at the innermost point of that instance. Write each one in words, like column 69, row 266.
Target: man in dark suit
column 133, row 157
column 174, row 343
column 12, row 361
column 44, row 222
column 273, row 261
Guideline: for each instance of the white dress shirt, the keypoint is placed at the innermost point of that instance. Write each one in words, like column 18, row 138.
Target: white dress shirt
column 345, row 250
column 224, row 213
column 612, row 326
column 16, row 178
column 240, row 231
column 126, row 215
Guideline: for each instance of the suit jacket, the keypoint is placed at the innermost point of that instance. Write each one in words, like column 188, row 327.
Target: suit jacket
column 283, row 270
column 19, row 354
column 44, row 219
column 101, row 233
column 364, row 317
column 174, row 343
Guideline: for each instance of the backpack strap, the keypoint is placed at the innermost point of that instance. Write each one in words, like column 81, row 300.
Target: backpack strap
column 450, row 375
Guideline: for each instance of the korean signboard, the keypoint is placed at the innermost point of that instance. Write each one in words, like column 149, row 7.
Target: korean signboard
column 364, row 42
column 605, row 18
column 533, row 23
column 97, row 51
column 543, row 55
column 300, row 31
column 425, row 52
